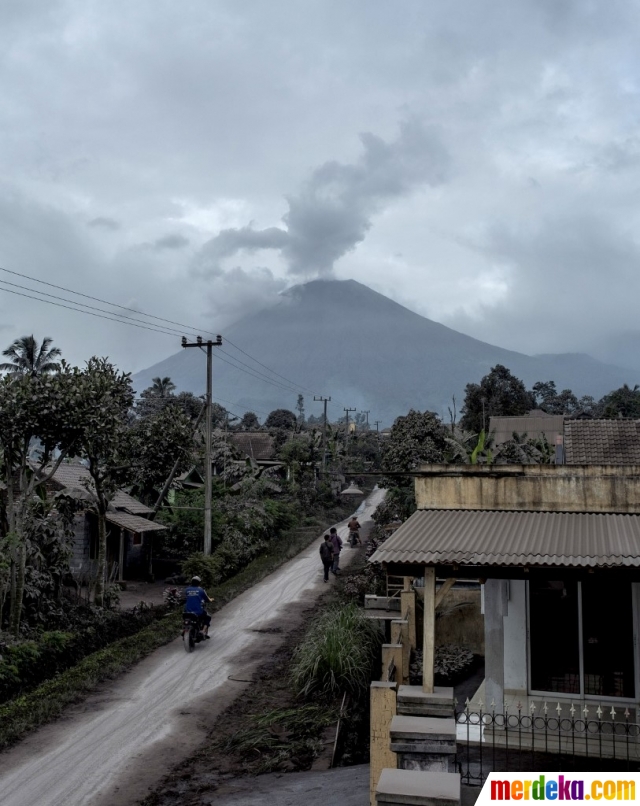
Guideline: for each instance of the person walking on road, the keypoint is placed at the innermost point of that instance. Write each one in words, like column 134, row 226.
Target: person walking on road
column 326, row 555
column 337, row 546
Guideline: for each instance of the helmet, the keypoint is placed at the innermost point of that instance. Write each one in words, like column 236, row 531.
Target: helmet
column 196, row 579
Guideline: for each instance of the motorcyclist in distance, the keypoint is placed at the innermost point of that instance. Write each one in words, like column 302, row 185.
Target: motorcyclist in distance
column 354, row 531
column 196, row 597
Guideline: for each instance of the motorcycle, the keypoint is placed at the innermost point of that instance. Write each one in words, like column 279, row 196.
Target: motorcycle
column 354, row 539
column 191, row 631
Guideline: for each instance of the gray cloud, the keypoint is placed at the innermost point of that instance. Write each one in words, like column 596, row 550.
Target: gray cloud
column 101, row 222
column 333, row 211
column 173, row 241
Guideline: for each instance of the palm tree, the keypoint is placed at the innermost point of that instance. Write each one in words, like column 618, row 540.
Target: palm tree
column 162, row 387
column 29, row 359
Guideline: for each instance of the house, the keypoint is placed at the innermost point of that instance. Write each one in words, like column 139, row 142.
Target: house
column 557, row 549
column 537, row 424
column 129, row 530
column 602, row 442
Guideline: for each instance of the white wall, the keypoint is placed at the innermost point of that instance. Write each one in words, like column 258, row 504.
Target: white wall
column 515, row 638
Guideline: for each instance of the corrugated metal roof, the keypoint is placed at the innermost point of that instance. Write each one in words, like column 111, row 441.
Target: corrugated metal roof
column 534, row 425
column 133, row 523
column 472, row 537
column 602, row 442
column 77, row 477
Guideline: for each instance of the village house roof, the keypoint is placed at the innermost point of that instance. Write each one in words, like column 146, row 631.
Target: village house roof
column 535, row 424
column 77, row 477
column 133, row 523
column 500, row 538
column 257, row 445
column 602, row 442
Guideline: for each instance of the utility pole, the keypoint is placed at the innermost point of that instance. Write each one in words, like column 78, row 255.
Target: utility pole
column 366, row 413
column 324, row 400
column 377, row 425
column 207, row 444
column 346, row 440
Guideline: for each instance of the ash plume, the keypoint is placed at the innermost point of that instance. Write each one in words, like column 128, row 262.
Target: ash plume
column 332, row 212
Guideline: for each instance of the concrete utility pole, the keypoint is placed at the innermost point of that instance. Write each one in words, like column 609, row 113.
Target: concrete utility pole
column 366, row 413
column 207, row 445
column 346, row 440
column 324, row 400
column 377, row 425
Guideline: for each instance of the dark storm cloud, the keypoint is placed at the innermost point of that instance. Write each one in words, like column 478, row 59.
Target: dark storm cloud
column 333, row 211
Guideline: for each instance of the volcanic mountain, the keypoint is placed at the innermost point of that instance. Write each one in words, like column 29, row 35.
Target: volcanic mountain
column 341, row 339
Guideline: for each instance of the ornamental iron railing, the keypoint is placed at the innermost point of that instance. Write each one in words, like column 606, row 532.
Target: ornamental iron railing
column 538, row 737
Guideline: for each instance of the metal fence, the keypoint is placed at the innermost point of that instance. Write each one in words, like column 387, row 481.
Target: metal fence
column 558, row 737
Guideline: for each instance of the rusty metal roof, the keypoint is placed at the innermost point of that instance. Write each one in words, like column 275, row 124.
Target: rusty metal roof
column 132, row 523
column 602, row 442
column 473, row 537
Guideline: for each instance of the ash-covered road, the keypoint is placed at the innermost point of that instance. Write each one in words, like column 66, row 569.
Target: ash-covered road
column 124, row 738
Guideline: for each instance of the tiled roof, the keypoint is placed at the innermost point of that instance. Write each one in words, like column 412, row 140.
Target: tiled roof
column 473, row 537
column 133, row 523
column 602, row 442
column 534, row 425
column 77, row 477
column 256, row 444
column 122, row 500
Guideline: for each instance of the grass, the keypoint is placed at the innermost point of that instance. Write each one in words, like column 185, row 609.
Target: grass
column 50, row 699
column 280, row 735
column 46, row 702
column 337, row 654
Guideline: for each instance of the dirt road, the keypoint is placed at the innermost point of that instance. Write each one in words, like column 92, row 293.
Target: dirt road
column 119, row 742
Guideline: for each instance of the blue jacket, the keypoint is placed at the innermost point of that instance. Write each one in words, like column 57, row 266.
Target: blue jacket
column 196, row 598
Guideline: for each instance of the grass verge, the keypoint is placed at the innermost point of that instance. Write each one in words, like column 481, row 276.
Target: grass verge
column 45, row 703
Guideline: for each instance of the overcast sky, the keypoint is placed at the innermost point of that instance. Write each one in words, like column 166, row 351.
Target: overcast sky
column 477, row 162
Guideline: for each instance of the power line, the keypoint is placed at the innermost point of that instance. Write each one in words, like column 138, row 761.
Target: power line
column 304, row 388
column 80, row 305
column 97, row 299
column 89, row 313
column 100, row 313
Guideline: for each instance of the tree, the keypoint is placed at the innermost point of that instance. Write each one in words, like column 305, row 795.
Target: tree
column 498, row 394
column 300, row 408
column 38, row 408
column 547, row 398
column 622, row 402
column 162, row 387
column 105, row 396
column 27, row 358
column 281, row 418
column 157, row 443
column 416, row 438
column 249, row 422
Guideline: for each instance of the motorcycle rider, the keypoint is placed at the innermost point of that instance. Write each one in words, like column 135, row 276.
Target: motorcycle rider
column 196, row 597
column 354, row 532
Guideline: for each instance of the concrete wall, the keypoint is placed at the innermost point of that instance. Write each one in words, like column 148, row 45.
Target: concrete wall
column 459, row 621
column 550, row 488
column 515, row 638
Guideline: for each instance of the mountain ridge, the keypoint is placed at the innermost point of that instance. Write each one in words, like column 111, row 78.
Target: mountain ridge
column 342, row 339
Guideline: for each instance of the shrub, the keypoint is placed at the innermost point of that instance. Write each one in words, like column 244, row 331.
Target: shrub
column 208, row 568
column 337, row 654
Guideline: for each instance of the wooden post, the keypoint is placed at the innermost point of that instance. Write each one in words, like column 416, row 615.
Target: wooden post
column 383, row 709
column 429, row 639
column 408, row 611
column 121, row 556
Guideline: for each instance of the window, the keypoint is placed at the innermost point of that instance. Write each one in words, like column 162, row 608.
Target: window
column 581, row 637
